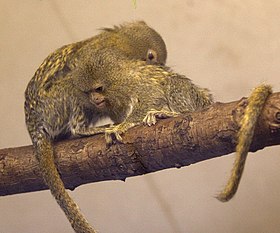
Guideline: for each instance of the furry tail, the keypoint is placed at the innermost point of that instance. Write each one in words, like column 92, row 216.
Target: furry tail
column 245, row 135
column 54, row 182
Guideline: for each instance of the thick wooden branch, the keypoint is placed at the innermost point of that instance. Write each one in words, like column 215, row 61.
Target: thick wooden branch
column 175, row 142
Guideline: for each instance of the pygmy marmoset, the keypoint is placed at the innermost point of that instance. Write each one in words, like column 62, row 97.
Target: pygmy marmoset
column 56, row 109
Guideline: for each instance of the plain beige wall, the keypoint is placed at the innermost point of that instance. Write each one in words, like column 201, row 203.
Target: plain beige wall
column 227, row 46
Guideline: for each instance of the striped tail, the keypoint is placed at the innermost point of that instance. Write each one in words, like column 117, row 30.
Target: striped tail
column 245, row 135
column 53, row 181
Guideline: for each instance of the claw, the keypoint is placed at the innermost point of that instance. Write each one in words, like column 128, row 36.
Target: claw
column 151, row 117
column 111, row 134
column 114, row 133
column 108, row 138
column 118, row 137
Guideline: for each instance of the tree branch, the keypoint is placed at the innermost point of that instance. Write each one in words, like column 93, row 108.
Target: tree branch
column 175, row 142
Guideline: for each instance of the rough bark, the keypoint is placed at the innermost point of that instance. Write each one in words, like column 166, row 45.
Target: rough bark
column 175, row 142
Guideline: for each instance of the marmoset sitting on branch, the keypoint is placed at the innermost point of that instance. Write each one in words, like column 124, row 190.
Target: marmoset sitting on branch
column 57, row 109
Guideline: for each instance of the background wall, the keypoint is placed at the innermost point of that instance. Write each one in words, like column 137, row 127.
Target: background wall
column 227, row 46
